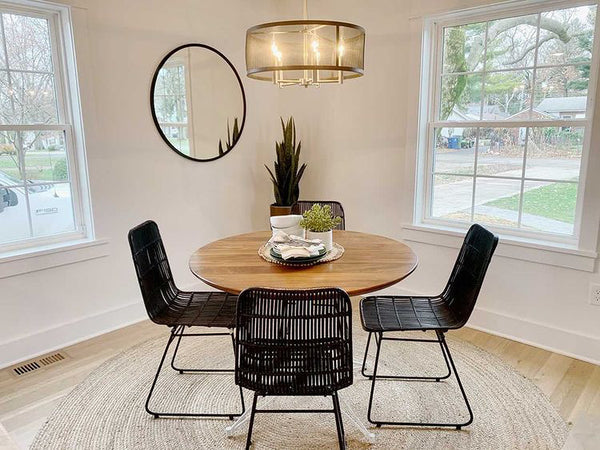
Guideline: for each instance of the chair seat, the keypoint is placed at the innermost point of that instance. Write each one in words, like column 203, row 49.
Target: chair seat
column 201, row 309
column 393, row 313
column 286, row 368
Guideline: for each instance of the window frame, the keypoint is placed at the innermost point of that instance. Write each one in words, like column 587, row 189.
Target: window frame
column 429, row 98
column 69, row 121
column 184, row 62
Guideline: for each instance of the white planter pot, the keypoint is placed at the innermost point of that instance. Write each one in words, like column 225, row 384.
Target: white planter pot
column 325, row 236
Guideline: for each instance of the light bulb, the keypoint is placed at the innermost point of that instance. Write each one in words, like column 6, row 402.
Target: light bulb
column 276, row 51
column 341, row 50
column 315, row 45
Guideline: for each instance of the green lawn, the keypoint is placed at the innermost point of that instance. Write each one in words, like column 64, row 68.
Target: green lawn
column 39, row 166
column 554, row 201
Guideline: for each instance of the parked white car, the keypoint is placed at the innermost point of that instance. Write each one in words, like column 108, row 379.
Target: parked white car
column 50, row 206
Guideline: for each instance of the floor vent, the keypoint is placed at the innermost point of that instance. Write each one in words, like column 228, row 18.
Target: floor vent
column 38, row 363
column 46, row 360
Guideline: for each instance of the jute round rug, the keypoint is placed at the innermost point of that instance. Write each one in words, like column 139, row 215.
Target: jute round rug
column 106, row 411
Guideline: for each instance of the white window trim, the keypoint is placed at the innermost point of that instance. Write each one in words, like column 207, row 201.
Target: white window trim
column 68, row 90
column 53, row 255
column 578, row 252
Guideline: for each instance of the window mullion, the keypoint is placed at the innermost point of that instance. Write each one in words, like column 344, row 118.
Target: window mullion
column 478, row 129
column 23, row 170
column 522, row 188
column 574, row 122
column 474, row 175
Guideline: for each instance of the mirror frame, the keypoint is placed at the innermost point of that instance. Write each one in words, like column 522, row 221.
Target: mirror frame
column 153, row 85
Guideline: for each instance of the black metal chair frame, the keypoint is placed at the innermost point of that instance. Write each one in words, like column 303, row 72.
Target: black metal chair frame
column 333, row 390
column 379, row 338
column 169, row 306
column 460, row 319
column 339, row 425
column 177, row 332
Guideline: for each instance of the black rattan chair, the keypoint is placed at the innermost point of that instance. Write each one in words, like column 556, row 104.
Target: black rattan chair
column 294, row 343
column 448, row 311
column 337, row 209
column 167, row 305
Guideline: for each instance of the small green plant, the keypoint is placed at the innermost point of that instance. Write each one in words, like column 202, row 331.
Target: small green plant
column 232, row 137
column 319, row 219
column 288, row 170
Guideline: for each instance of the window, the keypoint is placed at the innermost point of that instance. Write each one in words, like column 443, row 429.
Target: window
column 171, row 100
column 42, row 168
column 509, row 118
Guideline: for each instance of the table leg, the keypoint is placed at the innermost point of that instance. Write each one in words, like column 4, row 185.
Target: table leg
column 241, row 420
column 370, row 437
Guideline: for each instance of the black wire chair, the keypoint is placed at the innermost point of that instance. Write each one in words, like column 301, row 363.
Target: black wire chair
column 301, row 206
column 448, row 311
column 294, row 343
column 167, row 305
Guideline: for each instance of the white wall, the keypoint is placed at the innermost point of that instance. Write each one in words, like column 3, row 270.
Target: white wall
column 353, row 140
column 135, row 176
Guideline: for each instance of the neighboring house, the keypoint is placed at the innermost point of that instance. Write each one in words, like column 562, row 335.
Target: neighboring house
column 458, row 115
column 548, row 109
column 489, row 112
column 564, row 107
column 536, row 114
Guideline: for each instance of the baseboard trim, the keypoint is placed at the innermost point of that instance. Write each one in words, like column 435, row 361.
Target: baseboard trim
column 564, row 342
column 561, row 341
column 557, row 340
column 69, row 333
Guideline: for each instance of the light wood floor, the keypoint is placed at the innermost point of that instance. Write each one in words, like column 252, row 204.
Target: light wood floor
column 572, row 385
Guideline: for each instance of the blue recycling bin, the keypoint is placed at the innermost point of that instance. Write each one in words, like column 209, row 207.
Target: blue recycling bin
column 454, row 142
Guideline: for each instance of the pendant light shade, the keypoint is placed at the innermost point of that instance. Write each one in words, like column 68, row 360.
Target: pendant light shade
column 305, row 52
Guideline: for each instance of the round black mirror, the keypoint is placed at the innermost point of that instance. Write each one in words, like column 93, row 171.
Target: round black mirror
column 198, row 102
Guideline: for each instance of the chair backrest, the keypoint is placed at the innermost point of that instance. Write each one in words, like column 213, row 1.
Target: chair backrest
column 337, row 209
column 152, row 268
column 468, row 273
column 294, row 342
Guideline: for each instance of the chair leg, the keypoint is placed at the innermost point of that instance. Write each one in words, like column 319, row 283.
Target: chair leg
column 364, row 363
column 462, row 389
column 235, row 362
column 373, row 378
column 404, row 377
column 182, row 370
column 251, row 424
column 337, row 411
column 338, row 421
column 448, row 357
column 156, row 414
column 162, row 360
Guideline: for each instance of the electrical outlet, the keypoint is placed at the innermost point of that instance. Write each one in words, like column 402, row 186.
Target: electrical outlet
column 595, row 294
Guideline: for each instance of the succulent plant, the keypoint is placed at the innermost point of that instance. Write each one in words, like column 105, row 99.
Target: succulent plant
column 319, row 219
column 288, row 171
column 232, row 137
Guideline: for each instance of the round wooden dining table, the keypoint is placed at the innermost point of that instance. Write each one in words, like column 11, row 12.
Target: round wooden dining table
column 369, row 263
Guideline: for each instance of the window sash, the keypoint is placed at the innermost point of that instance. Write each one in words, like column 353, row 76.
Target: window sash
column 432, row 83
column 59, row 32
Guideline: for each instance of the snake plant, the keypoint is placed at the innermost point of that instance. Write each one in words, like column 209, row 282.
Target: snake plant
column 232, row 137
column 288, row 172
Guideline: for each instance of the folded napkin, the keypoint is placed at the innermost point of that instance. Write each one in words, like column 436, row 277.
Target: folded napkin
column 291, row 246
column 290, row 251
